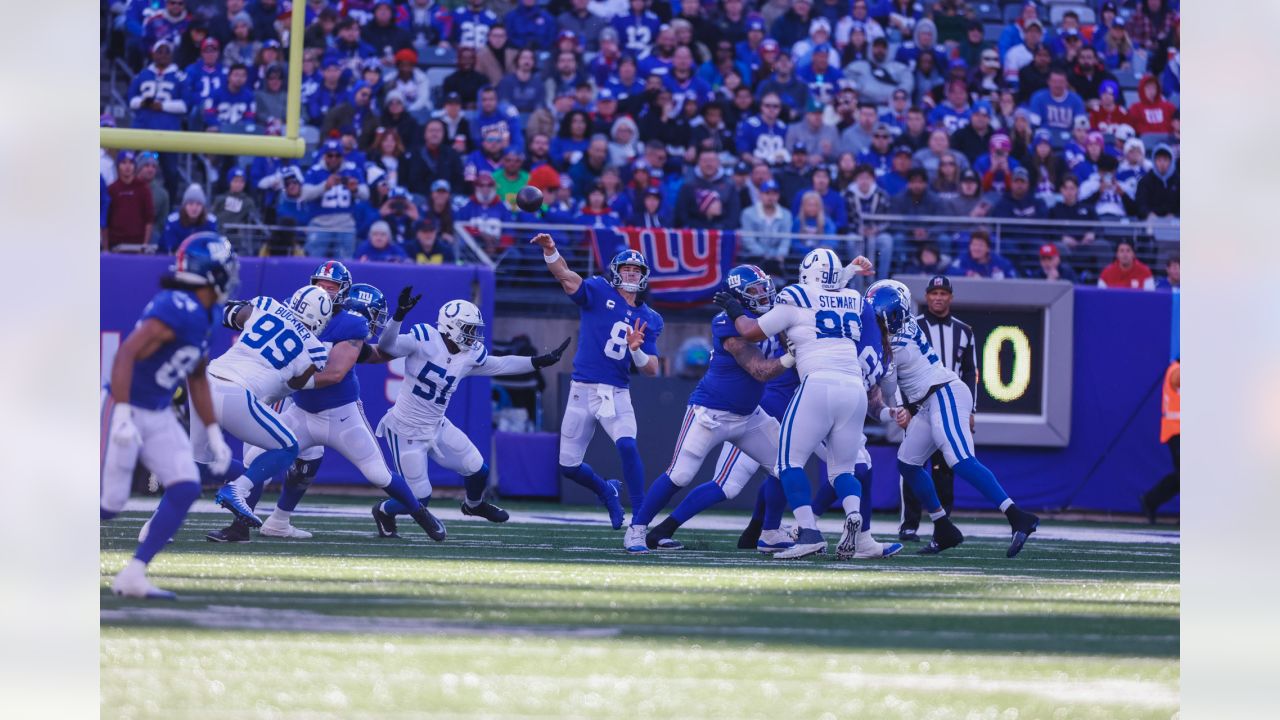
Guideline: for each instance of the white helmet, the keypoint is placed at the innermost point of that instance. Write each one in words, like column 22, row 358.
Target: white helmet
column 896, row 286
column 461, row 322
column 313, row 306
column 821, row 267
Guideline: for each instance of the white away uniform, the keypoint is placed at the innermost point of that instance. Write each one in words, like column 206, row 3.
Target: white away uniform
column 943, row 402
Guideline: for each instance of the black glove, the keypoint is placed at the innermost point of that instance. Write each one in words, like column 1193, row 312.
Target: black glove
column 406, row 303
column 229, row 312
column 729, row 304
column 551, row 358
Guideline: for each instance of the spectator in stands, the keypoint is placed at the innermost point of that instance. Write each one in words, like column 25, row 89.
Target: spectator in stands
column 708, row 175
column 981, row 261
column 1044, row 167
column 428, row 248
column 986, row 80
column 242, row 48
column 649, row 212
column 995, row 167
column 484, row 213
column 811, row 218
column 1127, row 271
column 864, row 197
column 794, row 177
column 1020, row 55
column 857, row 138
column 290, row 205
column 523, row 89
column 953, row 112
column 923, row 41
column 349, row 46
column 378, row 247
column 158, row 102
column 939, row 148
column 511, row 177
column 388, row 152
column 946, row 183
column 927, row 78
column 1108, row 198
column 1088, row 75
column 434, row 160
column 495, row 58
column 382, row 33
column 440, row 208
column 191, row 217
column 236, row 207
column 793, row 25
column 588, row 169
column 1057, row 106
column 820, row 138
column 411, row 82
column 763, row 137
column 879, row 156
column 1110, row 113
column 877, row 77
column 927, row 260
column 708, row 210
column 572, row 139
column 1172, row 280
column 1158, row 191
column 204, row 77
column 894, row 182
column 1034, row 76
column 270, row 96
column 485, row 160
column 529, row 26
column 974, row 138
column 579, row 20
column 833, row 203
column 969, row 202
column 466, row 80
column 1114, row 44
column 401, row 213
column 1052, row 267
column 222, row 24
column 1018, row 201
column 130, row 212
column 333, row 186
column 539, row 153
column 148, row 172
column 331, row 92
column 1152, row 114
column 1133, row 166
column 1021, row 134
column 767, row 215
column 595, row 212
column 918, row 201
column 711, row 131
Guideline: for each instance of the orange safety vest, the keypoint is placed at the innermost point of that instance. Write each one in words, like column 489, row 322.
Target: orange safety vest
column 1170, row 417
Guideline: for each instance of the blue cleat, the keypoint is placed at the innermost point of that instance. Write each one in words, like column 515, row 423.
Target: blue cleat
column 808, row 542
column 772, row 541
column 229, row 498
column 612, row 499
column 660, row 538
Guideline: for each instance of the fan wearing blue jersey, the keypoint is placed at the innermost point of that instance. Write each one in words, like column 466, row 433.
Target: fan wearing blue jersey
column 724, row 407
column 935, row 414
column 617, row 332
column 169, row 344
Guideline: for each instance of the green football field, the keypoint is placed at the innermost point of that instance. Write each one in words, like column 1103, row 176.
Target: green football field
column 546, row 616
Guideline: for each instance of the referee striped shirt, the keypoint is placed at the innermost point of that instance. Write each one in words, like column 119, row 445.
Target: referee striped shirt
column 952, row 340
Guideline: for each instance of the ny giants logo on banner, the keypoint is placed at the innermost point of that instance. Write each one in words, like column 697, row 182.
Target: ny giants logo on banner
column 685, row 266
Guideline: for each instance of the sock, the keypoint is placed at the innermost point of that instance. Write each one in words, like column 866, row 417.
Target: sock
column 280, row 516
column 668, row 527
column 400, row 493
column 266, row 466
column 1006, row 505
column 632, row 471
column 207, row 476
column 775, row 503
column 795, row 484
column 977, row 475
column 825, row 498
column 849, row 490
column 296, row 482
column 476, row 484
column 757, row 513
column 168, row 517
column 396, row 507
column 804, row 517
column 918, row 480
column 863, row 474
column 698, row 499
column 937, row 514
column 657, row 498
column 584, row 476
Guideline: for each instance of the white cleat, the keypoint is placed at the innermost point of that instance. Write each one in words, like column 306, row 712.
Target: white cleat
column 285, row 529
column 849, row 537
column 867, row 547
column 131, row 582
column 634, row 541
column 772, row 541
column 808, row 542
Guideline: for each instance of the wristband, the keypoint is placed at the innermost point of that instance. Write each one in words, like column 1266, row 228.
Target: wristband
column 554, row 256
column 886, row 414
column 639, row 357
column 787, row 360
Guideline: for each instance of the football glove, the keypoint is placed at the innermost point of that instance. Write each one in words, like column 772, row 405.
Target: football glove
column 729, row 304
column 405, row 303
column 551, row 358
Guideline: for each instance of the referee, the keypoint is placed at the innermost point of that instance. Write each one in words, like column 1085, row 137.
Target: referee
column 952, row 340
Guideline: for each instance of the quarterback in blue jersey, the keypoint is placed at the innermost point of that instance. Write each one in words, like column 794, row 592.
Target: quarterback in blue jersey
column 618, row 332
column 170, row 343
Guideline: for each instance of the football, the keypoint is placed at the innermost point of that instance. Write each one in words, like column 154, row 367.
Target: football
column 529, row 199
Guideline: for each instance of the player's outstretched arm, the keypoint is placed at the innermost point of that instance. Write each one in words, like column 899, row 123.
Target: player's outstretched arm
column 747, row 327
column 752, row 360
column 342, row 358
column 391, row 343
column 568, row 279
column 519, row 364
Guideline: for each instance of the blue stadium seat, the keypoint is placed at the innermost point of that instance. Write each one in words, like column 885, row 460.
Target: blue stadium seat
column 988, row 12
column 439, row 57
column 991, row 32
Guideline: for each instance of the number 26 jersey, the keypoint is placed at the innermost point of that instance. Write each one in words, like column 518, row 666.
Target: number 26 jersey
column 274, row 348
column 603, row 355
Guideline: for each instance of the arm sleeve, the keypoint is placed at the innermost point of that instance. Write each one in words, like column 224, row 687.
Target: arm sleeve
column 504, row 365
column 229, row 312
column 778, row 319
column 392, row 343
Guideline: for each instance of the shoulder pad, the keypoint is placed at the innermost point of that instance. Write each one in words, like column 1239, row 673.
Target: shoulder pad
column 421, row 332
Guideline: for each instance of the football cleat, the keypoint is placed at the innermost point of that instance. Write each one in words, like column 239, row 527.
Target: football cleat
column 385, row 521
column 660, row 538
column 772, row 541
column 868, row 547
column 488, row 511
column 131, row 582
column 612, row 499
column 633, row 542
column 945, row 536
column 908, row 535
column 430, row 523
column 749, row 537
column 236, row 532
column 282, row 529
column 228, row 497
column 849, row 537
column 1148, row 509
column 1023, row 523
column 808, row 542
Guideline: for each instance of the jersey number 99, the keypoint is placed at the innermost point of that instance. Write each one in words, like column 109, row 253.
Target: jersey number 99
column 833, row 326
column 287, row 344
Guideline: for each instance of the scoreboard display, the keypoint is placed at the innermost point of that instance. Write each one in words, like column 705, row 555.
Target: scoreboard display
column 1023, row 336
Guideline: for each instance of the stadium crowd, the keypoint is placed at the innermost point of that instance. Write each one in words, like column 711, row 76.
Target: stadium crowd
column 770, row 117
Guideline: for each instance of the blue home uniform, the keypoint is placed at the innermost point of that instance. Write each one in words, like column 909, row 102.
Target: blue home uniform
column 602, row 356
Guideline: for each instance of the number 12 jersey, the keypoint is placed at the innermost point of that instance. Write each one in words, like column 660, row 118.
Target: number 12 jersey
column 603, row 356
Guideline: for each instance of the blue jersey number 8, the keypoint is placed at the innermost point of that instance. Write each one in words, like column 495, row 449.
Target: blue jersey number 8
column 287, row 344
column 832, row 325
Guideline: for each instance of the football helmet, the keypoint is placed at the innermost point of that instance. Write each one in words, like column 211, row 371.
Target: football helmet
column 313, row 307
column 894, row 285
column 821, row 267
column 335, row 272
column 890, row 307
column 753, row 287
column 628, row 257
column 368, row 302
column 206, row 258
column 461, row 322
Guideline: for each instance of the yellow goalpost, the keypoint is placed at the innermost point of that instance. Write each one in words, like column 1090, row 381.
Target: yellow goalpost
column 289, row 146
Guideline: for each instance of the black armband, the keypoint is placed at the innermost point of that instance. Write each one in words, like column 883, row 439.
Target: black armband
column 366, row 352
column 229, row 312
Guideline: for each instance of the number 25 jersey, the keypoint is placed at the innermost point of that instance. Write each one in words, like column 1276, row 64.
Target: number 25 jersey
column 603, row 355
column 274, row 348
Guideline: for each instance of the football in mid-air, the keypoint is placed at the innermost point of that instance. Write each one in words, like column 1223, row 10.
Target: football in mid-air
column 529, row 199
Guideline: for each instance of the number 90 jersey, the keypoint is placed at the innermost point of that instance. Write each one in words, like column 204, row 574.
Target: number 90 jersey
column 156, row 376
column 274, row 348
column 603, row 356
column 823, row 326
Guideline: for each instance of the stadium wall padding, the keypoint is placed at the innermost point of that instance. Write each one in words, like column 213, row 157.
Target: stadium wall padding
column 129, row 281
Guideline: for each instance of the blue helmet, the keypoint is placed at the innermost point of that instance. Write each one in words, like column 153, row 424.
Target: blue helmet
column 628, row 257
column 890, row 307
column 369, row 302
column 335, row 272
column 753, row 287
column 206, row 258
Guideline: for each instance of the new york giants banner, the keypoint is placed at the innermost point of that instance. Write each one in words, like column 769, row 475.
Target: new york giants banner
column 685, row 266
